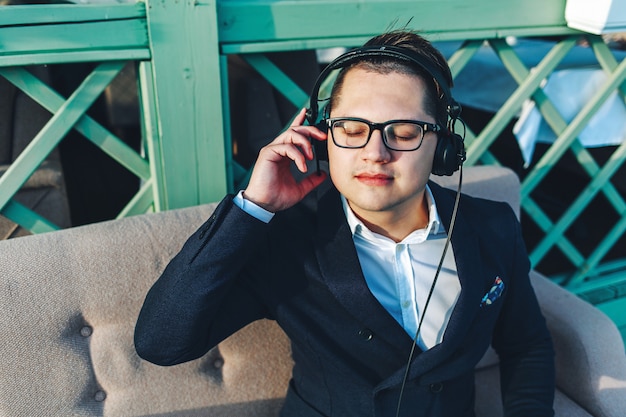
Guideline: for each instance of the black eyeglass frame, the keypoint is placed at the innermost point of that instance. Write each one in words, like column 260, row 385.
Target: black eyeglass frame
column 426, row 127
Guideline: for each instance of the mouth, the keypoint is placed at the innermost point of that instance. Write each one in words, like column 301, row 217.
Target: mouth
column 374, row 179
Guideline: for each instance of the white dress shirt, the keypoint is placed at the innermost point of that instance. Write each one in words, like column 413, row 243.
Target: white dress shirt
column 400, row 275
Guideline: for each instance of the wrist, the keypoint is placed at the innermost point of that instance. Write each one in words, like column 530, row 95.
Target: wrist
column 246, row 196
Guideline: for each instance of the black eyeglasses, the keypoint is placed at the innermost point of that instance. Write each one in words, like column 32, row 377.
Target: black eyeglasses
column 398, row 135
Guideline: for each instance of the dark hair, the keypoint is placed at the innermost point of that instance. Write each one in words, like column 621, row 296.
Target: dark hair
column 434, row 105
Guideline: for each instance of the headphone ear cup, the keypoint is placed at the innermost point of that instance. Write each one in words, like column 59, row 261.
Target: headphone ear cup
column 449, row 154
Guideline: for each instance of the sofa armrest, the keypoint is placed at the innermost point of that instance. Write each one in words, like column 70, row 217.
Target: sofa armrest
column 590, row 356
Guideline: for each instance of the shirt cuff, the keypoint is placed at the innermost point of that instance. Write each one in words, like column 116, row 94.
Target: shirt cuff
column 252, row 209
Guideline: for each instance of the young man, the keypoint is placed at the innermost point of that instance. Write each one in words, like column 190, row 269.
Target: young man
column 350, row 280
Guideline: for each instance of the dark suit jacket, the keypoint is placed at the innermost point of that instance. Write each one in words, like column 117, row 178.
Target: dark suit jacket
column 350, row 355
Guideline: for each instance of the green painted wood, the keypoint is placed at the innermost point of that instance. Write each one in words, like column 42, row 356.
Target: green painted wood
column 463, row 55
column 210, row 137
column 150, row 134
column 186, row 74
column 96, row 133
column 60, row 123
column 606, row 59
column 332, row 41
column 105, row 35
column 47, row 34
column 27, row 218
column 67, row 57
column 251, row 21
column 67, row 13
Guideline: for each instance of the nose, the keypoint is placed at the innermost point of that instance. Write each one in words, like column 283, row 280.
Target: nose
column 375, row 149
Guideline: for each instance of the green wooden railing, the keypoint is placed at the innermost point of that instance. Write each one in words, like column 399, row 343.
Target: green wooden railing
column 182, row 161
column 181, row 50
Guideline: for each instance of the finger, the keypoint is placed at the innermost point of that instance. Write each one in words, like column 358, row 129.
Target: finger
column 300, row 137
column 290, row 151
column 300, row 156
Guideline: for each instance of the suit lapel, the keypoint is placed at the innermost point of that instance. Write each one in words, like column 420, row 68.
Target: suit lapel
column 341, row 271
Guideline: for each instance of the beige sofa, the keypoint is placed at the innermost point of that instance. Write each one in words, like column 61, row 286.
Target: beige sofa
column 69, row 301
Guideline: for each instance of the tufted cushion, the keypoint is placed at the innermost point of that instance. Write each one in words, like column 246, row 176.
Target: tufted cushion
column 70, row 300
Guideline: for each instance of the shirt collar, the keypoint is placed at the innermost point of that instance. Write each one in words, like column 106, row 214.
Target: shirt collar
column 434, row 226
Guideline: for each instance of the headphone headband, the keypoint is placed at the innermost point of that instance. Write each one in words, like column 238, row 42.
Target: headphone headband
column 385, row 51
column 450, row 152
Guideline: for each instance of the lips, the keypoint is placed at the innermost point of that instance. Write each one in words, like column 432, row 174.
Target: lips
column 374, row 179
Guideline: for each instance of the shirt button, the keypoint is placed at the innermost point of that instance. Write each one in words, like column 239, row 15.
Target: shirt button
column 366, row 334
column 436, row 388
column 406, row 304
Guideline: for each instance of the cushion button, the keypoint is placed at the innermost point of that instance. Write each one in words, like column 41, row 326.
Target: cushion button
column 86, row 331
column 100, row 396
column 218, row 363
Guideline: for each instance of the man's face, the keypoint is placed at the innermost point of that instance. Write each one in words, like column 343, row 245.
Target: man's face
column 375, row 180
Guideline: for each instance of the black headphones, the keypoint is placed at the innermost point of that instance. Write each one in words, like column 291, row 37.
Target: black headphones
column 450, row 151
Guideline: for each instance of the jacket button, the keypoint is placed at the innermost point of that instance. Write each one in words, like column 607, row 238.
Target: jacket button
column 366, row 334
column 436, row 388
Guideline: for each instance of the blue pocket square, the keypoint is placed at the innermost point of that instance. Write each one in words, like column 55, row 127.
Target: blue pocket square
column 494, row 293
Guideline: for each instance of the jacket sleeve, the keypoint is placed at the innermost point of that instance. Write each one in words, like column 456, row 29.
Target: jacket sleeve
column 205, row 293
column 524, row 345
